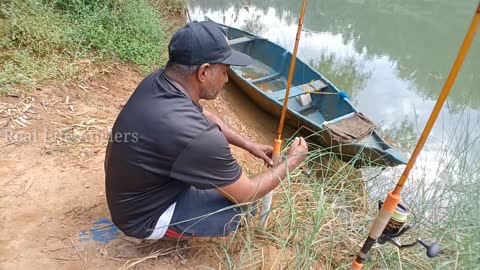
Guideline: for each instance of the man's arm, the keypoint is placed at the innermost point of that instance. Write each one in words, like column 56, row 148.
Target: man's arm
column 248, row 189
column 233, row 137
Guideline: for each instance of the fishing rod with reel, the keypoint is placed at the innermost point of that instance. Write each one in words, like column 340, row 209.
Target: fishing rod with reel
column 387, row 226
column 398, row 225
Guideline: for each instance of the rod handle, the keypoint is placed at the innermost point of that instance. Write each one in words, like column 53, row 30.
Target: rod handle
column 356, row 265
column 266, row 202
column 377, row 228
column 277, row 146
column 433, row 250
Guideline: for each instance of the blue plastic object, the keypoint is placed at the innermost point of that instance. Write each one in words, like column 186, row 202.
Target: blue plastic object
column 103, row 231
column 343, row 94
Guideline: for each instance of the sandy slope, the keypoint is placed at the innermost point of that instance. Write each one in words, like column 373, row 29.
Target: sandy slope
column 52, row 148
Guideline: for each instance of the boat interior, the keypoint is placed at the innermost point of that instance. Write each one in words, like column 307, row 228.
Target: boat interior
column 310, row 94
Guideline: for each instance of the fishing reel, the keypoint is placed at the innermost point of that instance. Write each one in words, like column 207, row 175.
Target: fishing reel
column 398, row 225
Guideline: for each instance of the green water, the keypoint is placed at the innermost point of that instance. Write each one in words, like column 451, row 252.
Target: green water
column 392, row 57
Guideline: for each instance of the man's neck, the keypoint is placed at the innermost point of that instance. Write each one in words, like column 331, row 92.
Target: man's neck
column 185, row 85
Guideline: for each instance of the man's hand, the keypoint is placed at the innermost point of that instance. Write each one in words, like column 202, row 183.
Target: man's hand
column 248, row 189
column 262, row 151
column 297, row 152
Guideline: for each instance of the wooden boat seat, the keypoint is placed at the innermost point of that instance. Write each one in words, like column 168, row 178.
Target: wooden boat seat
column 241, row 40
column 267, row 78
column 301, row 109
column 310, row 87
column 280, row 95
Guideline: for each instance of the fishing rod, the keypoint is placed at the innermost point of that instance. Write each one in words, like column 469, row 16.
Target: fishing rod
column 277, row 144
column 385, row 226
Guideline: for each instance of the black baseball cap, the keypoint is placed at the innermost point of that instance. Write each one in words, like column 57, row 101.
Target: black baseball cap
column 204, row 42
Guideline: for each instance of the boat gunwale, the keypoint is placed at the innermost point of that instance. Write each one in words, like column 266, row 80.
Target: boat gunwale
column 325, row 80
column 386, row 151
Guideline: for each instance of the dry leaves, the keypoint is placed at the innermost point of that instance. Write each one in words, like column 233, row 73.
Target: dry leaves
column 17, row 114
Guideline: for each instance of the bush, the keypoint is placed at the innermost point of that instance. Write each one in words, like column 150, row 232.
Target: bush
column 129, row 29
column 39, row 39
column 169, row 7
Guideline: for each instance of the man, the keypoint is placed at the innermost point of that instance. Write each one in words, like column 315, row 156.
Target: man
column 169, row 169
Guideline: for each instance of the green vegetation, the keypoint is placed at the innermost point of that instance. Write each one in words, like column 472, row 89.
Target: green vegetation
column 169, row 7
column 346, row 73
column 447, row 199
column 402, row 135
column 378, row 26
column 319, row 219
column 50, row 39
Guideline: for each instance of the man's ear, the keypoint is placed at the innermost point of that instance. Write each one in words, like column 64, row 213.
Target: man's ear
column 202, row 72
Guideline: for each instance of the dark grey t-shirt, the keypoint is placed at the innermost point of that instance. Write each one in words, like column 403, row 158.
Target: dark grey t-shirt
column 161, row 144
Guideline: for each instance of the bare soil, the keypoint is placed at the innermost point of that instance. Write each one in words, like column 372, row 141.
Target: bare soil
column 52, row 147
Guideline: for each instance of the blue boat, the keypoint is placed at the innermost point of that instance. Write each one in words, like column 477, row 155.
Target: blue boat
column 315, row 105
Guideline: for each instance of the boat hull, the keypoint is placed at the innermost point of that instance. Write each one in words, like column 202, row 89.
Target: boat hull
column 272, row 61
column 361, row 155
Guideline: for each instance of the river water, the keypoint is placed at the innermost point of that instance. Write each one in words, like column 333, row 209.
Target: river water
column 392, row 57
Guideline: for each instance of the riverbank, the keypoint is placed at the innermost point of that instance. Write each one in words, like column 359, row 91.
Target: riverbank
column 64, row 83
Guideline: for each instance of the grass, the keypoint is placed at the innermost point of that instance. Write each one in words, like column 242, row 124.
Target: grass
column 443, row 190
column 313, row 223
column 169, row 7
column 322, row 213
column 319, row 219
column 75, row 32
column 452, row 210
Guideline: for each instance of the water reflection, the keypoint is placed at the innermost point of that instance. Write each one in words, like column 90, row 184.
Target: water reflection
column 404, row 135
column 421, row 35
column 253, row 24
column 391, row 57
column 345, row 73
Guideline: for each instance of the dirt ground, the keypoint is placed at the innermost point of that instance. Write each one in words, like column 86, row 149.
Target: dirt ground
column 53, row 212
